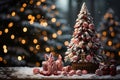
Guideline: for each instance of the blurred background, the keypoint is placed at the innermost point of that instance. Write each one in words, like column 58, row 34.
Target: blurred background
column 31, row 28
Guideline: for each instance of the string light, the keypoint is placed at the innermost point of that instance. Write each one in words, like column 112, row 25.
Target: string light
column 13, row 13
column 37, row 47
column 0, row 32
column 1, row 59
column 57, row 23
column 119, row 53
column 47, row 49
column 25, row 29
column 44, row 23
column 109, row 43
column 6, row 30
column 107, row 53
column 31, row 2
column 66, row 43
column 35, row 41
column 10, row 24
column 24, row 5
column 37, row 64
column 43, row 0
column 23, row 41
column 104, row 33
column 31, row 48
column 59, row 32
column 45, row 38
column 111, row 29
column 21, row 9
column 38, row 16
column 12, row 36
column 5, row 49
column 112, row 34
column 59, row 47
column 19, row 58
column 29, row 16
column 44, row 33
column 54, row 35
column 38, row 3
column 53, row 20
column 4, row 61
column 53, row 7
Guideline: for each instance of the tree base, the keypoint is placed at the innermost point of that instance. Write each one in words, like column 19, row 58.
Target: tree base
column 89, row 66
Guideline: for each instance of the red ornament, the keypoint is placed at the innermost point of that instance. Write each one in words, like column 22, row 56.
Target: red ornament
column 112, row 68
column 85, row 24
column 88, row 58
column 106, row 70
column 78, row 72
column 112, row 73
column 36, row 71
column 91, row 26
column 84, row 71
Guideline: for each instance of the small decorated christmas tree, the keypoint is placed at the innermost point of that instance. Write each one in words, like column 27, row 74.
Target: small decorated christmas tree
column 109, row 30
column 83, row 49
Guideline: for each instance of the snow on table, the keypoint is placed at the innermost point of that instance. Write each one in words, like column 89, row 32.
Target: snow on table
column 27, row 73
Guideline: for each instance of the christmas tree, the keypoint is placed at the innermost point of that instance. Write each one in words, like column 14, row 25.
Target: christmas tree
column 109, row 30
column 84, row 45
column 28, row 30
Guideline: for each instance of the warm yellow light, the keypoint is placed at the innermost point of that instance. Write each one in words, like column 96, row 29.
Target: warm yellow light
column 117, row 45
column 23, row 41
column 4, row 61
column 104, row 33
column 112, row 55
column 4, row 47
column 0, row 32
column 119, row 53
column 54, row 35
column 6, row 30
column 38, row 16
column 43, row 0
column 29, row 16
column 19, row 58
column 109, row 43
column 31, row 48
column 59, row 32
column 53, row 20
column 110, row 28
column 31, row 1
column 37, row 47
column 57, row 23
column 66, row 43
column 10, row 24
column 112, row 34
column 53, row 7
column 31, row 21
column 47, row 49
column 5, row 50
column 107, row 53
column 38, row 3
column 45, row 38
column 13, row 13
column 44, row 23
column 37, row 64
column 21, row 9
column 35, row 41
column 12, row 36
column 1, row 59
column 24, row 5
column 44, row 33
column 25, row 29
column 59, row 47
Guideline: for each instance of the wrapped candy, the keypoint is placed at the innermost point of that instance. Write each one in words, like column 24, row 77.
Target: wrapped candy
column 84, row 71
column 36, row 71
column 66, row 68
column 99, row 72
column 59, row 63
column 78, row 72
column 89, row 58
column 85, row 24
column 91, row 26
column 72, row 72
column 45, row 65
column 64, row 73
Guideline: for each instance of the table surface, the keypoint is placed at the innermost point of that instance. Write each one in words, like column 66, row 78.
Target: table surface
column 27, row 73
